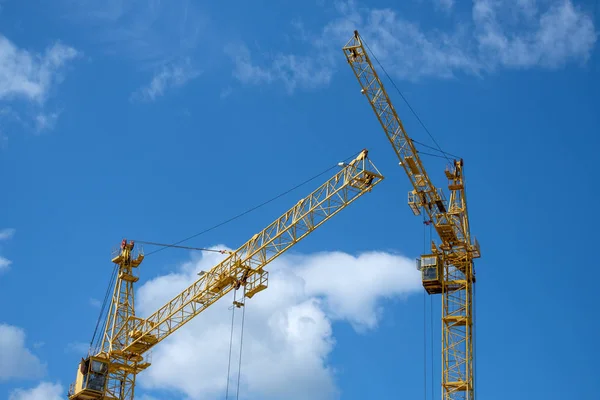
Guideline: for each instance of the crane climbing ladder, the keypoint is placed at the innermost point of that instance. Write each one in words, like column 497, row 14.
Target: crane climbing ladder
column 110, row 373
column 449, row 268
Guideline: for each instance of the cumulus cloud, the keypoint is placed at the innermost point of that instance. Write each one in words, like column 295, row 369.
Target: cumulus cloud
column 511, row 34
column 167, row 77
column 288, row 328
column 16, row 360
column 43, row 391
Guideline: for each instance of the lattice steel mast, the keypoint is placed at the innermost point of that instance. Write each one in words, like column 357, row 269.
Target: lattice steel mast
column 110, row 374
column 449, row 268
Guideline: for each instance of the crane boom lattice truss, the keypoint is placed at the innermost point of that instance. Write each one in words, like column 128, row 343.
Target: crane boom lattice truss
column 110, row 374
column 449, row 270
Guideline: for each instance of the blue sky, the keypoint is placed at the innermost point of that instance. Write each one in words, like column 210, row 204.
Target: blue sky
column 155, row 120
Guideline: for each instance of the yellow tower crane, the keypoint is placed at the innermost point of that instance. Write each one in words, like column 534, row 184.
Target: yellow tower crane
column 110, row 374
column 449, row 269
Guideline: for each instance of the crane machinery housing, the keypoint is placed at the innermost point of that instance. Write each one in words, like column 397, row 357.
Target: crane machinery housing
column 449, row 269
column 110, row 373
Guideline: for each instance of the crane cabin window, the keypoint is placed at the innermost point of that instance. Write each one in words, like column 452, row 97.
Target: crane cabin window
column 99, row 367
column 96, row 376
column 429, row 268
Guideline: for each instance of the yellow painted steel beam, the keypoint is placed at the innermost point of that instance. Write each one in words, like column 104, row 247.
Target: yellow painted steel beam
column 245, row 265
column 425, row 193
column 127, row 337
column 454, row 276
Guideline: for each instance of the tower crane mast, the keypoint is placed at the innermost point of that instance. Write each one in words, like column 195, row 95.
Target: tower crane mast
column 110, row 373
column 449, row 268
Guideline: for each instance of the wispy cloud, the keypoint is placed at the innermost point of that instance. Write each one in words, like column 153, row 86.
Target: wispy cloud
column 29, row 78
column 45, row 121
column 95, row 303
column 444, row 4
column 225, row 93
column 5, row 234
column 149, row 32
column 548, row 34
column 167, row 77
column 155, row 36
column 4, row 264
column 79, row 348
column 556, row 36
column 291, row 70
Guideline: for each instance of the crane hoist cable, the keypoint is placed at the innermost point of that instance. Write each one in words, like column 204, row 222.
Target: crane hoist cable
column 106, row 296
column 236, row 304
column 237, row 394
column 427, row 224
column 255, row 207
column 230, row 344
column 424, row 319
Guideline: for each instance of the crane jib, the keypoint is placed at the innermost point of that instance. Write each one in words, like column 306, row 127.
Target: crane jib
column 110, row 374
column 448, row 269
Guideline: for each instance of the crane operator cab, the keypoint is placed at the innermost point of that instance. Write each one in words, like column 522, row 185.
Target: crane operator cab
column 91, row 380
column 431, row 272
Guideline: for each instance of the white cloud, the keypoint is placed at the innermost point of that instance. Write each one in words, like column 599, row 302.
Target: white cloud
column 4, row 264
column 225, row 93
column 445, row 4
column 167, row 77
column 559, row 35
column 46, row 121
column 95, row 302
column 151, row 33
column 288, row 328
column 28, row 75
column 16, row 360
column 147, row 397
column 544, row 34
column 5, row 234
column 290, row 69
column 80, row 348
column 31, row 77
column 43, row 391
